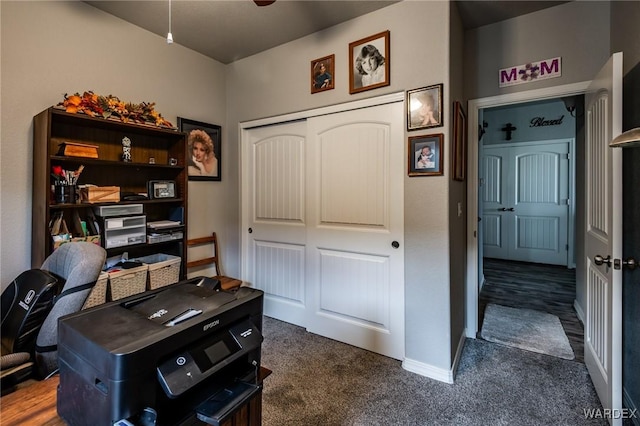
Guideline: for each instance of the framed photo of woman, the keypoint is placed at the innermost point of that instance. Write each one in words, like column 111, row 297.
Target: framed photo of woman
column 425, row 155
column 203, row 149
column 322, row 74
column 424, row 107
column 369, row 60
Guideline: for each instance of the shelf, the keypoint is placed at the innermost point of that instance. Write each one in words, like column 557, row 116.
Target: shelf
column 54, row 127
column 110, row 163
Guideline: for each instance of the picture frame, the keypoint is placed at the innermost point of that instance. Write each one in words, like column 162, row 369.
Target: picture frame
column 323, row 74
column 425, row 155
column 424, row 107
column 204, row 149
column 459, row 143
column 374, row 71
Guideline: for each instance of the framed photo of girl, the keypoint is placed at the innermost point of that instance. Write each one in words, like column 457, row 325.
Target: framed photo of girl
column 322, row 74
column 203, row 149
column 369, row 60
column 424, row 107
column 425, row 155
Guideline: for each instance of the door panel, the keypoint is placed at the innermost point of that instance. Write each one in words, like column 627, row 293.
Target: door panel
column 603, row 235
column 277, row 242
column 356, row 277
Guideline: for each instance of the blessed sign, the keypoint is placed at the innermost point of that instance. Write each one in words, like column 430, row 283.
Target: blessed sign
column 526, row 73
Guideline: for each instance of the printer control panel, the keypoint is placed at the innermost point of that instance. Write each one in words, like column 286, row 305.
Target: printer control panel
column 187, row 368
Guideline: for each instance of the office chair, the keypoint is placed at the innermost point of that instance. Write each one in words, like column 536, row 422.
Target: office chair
column 76, row 267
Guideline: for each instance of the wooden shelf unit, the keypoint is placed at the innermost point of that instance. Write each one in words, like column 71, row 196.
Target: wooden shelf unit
column 54, row 126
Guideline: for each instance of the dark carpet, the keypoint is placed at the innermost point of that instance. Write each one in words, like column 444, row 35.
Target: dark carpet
column 318, row 381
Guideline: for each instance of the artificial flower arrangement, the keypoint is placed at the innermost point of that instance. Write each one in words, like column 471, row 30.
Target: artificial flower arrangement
column 111, row 107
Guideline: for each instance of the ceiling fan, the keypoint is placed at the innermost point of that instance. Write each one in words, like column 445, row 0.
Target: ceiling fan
column 264, row 2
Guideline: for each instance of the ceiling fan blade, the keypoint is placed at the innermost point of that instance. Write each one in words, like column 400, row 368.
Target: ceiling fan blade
column 264, row 2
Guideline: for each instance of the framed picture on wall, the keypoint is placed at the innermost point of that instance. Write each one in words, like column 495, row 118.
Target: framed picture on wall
column 203, row 149
column 424, row 107
column 459, row 148
column 425, row 155
column 322, row 74
column 369, row 60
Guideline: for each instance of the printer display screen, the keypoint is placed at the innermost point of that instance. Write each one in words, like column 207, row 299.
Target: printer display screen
column 206, row 356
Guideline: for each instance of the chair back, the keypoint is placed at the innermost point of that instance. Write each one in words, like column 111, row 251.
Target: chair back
column 79, row 264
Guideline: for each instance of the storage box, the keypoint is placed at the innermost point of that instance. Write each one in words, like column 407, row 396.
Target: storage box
column 127, row 282
column 98, row 294
column 99, row 194
column 75, row 149
column 124, row 231
column 164, row 269
column 119, row 210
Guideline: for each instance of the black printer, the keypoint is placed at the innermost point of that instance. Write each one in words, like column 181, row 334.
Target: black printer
column 183, row 354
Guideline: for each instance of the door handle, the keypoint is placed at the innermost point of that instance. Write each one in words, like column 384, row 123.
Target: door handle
column 599, row 260
column 504, row 209
column 395, row 244
column 511, row 209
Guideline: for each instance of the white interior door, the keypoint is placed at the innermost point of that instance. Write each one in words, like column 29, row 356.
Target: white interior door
column 526, row 202
column 355, row 228
column 276, row 231
column 603, row 235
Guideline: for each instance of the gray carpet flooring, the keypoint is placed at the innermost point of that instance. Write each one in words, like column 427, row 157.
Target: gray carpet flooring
column 318, row 381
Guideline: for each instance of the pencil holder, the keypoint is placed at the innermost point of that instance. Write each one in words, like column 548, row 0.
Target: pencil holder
column 65, row 194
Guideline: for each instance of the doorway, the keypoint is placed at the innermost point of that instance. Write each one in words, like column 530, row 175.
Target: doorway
column 475, row 268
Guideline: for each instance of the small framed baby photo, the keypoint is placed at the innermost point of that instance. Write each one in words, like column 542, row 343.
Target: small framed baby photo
column 424, row 107
column 425, row 155
column 322, row 72
column 369, row 60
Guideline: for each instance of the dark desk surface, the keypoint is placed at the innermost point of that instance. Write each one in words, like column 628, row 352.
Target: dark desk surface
column 36, row 404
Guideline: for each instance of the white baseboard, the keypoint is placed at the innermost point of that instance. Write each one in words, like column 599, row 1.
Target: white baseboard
column 436, row 373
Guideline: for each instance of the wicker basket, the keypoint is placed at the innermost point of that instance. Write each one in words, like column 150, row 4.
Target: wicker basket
column 127, row 282
column 164, row 269
column 98, row 294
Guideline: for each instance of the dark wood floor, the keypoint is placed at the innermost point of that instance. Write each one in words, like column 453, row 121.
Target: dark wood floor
column 546, row 288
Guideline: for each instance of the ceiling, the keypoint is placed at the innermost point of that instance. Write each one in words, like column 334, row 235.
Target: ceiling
column 206, row 26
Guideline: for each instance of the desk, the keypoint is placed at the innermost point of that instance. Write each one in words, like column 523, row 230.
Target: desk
column 36, row 405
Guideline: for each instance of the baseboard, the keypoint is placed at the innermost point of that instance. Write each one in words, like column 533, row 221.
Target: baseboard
column 627, row 402
column 435, row 373
column 579, row 311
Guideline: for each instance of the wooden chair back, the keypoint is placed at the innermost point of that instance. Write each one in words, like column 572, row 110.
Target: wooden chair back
column 227, row 283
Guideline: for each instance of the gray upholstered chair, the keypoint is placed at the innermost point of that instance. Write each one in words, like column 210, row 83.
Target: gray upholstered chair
column 78, row 265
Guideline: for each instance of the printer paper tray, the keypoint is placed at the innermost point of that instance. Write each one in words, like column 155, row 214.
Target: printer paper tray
column 222, row 404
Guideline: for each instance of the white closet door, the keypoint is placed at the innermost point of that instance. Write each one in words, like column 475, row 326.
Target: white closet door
column 276, row 232
column 355, row 228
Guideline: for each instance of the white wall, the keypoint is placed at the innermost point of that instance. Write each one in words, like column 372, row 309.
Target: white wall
column 276, row 82
column 578, row 31
column 53, row 48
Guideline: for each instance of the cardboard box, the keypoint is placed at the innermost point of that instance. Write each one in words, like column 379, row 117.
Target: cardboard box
column 100, row 194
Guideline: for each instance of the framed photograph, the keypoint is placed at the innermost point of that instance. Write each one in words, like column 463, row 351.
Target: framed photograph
column 203, row 149
column 459, row 148
column 369, row 63
column 424, row 107
column 322, row 72
column 425, row 155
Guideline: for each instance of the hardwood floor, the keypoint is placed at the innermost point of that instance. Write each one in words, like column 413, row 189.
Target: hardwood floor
column 546, row 288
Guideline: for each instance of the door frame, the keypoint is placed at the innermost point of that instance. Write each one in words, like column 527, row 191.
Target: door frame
column 473, row 107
